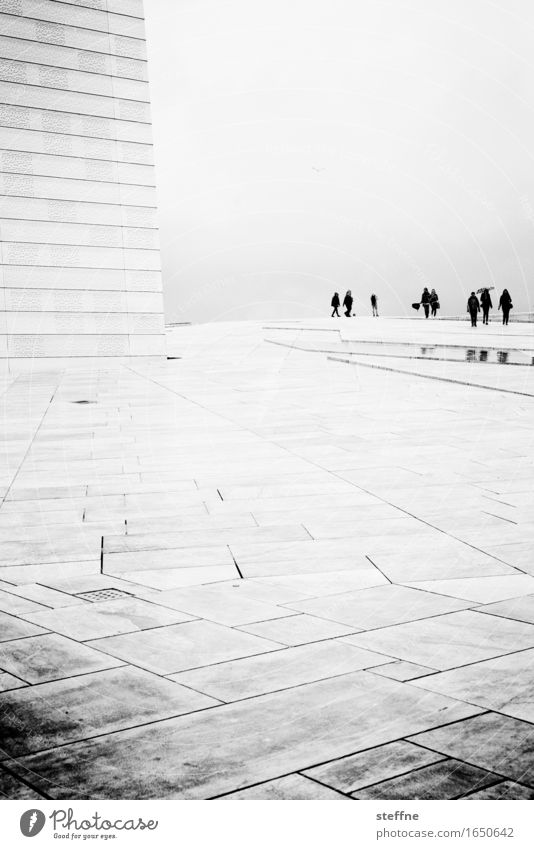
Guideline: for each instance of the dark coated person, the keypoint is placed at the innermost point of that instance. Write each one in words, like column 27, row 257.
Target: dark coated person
column 485, row 303
column 335, row 304
column 505, row 304
column 425, row 300
column 473, row 308
column 348, row 300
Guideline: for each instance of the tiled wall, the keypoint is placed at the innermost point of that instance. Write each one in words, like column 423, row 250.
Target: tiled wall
column 80, row 267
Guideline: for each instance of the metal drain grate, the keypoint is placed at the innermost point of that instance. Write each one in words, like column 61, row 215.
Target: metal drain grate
column 103, row 595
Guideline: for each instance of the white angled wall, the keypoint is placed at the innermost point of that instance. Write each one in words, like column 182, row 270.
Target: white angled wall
column 80, row 268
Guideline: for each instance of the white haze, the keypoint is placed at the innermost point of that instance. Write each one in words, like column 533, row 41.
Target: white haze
column 307, row 146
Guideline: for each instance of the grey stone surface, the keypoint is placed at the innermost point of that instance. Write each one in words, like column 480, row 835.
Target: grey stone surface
column 521, row 609
column 373, row 766
column 181, row 647
column 496, row 743
column 12, row 788
column 50, row 657
column 10, row 682
column 201, row 756
column 278, row 670
column 503, row 790
column 389, row 491
column 451, row 640
column 504, row 684
column 298, row 629
column 85, row 706
column 378, row 607
column 294, row 787
column 402, row 670
column 447, row 779
column 13, row 628
column 108, row 619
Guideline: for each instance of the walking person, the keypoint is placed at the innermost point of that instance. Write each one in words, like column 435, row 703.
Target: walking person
column 473, row 308
column 505, row 304
column 425, row 300
column 348, row 300
column 374, row 304
column 434, row 303
column 335, row 304
column 485, row 303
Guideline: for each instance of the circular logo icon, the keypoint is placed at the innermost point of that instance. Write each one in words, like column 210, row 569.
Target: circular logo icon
column 32, row 822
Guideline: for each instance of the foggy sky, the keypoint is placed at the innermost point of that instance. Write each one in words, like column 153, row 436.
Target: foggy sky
column 307, row 146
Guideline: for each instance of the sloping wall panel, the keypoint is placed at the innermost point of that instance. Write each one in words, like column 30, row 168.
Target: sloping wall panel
column 79, row 250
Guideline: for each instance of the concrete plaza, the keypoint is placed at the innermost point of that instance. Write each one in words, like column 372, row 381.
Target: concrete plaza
column 285, row 564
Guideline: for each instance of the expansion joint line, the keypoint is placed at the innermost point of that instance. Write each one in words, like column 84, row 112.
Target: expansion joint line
column 34, row 437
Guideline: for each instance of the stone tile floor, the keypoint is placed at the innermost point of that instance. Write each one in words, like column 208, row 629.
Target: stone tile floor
column 254, row 572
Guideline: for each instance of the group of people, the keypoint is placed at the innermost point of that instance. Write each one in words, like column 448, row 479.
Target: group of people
column 474, row 305
column 348, row 301
column 430, row 303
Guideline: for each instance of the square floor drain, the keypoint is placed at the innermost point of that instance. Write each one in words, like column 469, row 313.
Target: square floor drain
column 103, row 595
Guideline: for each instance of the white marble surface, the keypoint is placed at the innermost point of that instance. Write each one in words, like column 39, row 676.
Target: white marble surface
column 317, row 543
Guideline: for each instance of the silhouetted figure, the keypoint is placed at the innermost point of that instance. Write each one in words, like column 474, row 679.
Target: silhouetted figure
column 425, row 300
column 505, row 304
column 434, row 303
column 485, row 303
column 374, row 304
column 335, row 303
column 348, row 300
column 473, row 308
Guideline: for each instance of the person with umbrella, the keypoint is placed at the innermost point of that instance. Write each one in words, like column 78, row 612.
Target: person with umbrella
column 485, row 303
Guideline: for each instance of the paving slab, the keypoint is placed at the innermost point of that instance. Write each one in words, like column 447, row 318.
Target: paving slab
column 431, row 564
column 10, row 682
column 288, row 588
column 448, row 779
column 12, row 788
column 33, row 572
column 84, row 706
column 200, row 538
column 373, row 766
column 521, row 609
column 378, row 607
column 108, row 618
column 401, row 670
column 199, row 756
column 504, row 684
column 298, row 629
column 46, row 596
column 180, row 647
column 483, row 590
column 14, row 604
column 451, row 640
column 169, row 578
column 278, row 670
column 173, row 558
column 294, row 787
column 503, row 790
column 50, row 657
column 14, row 628
column 226, row 606
column 243, row 449
column 491, row 741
